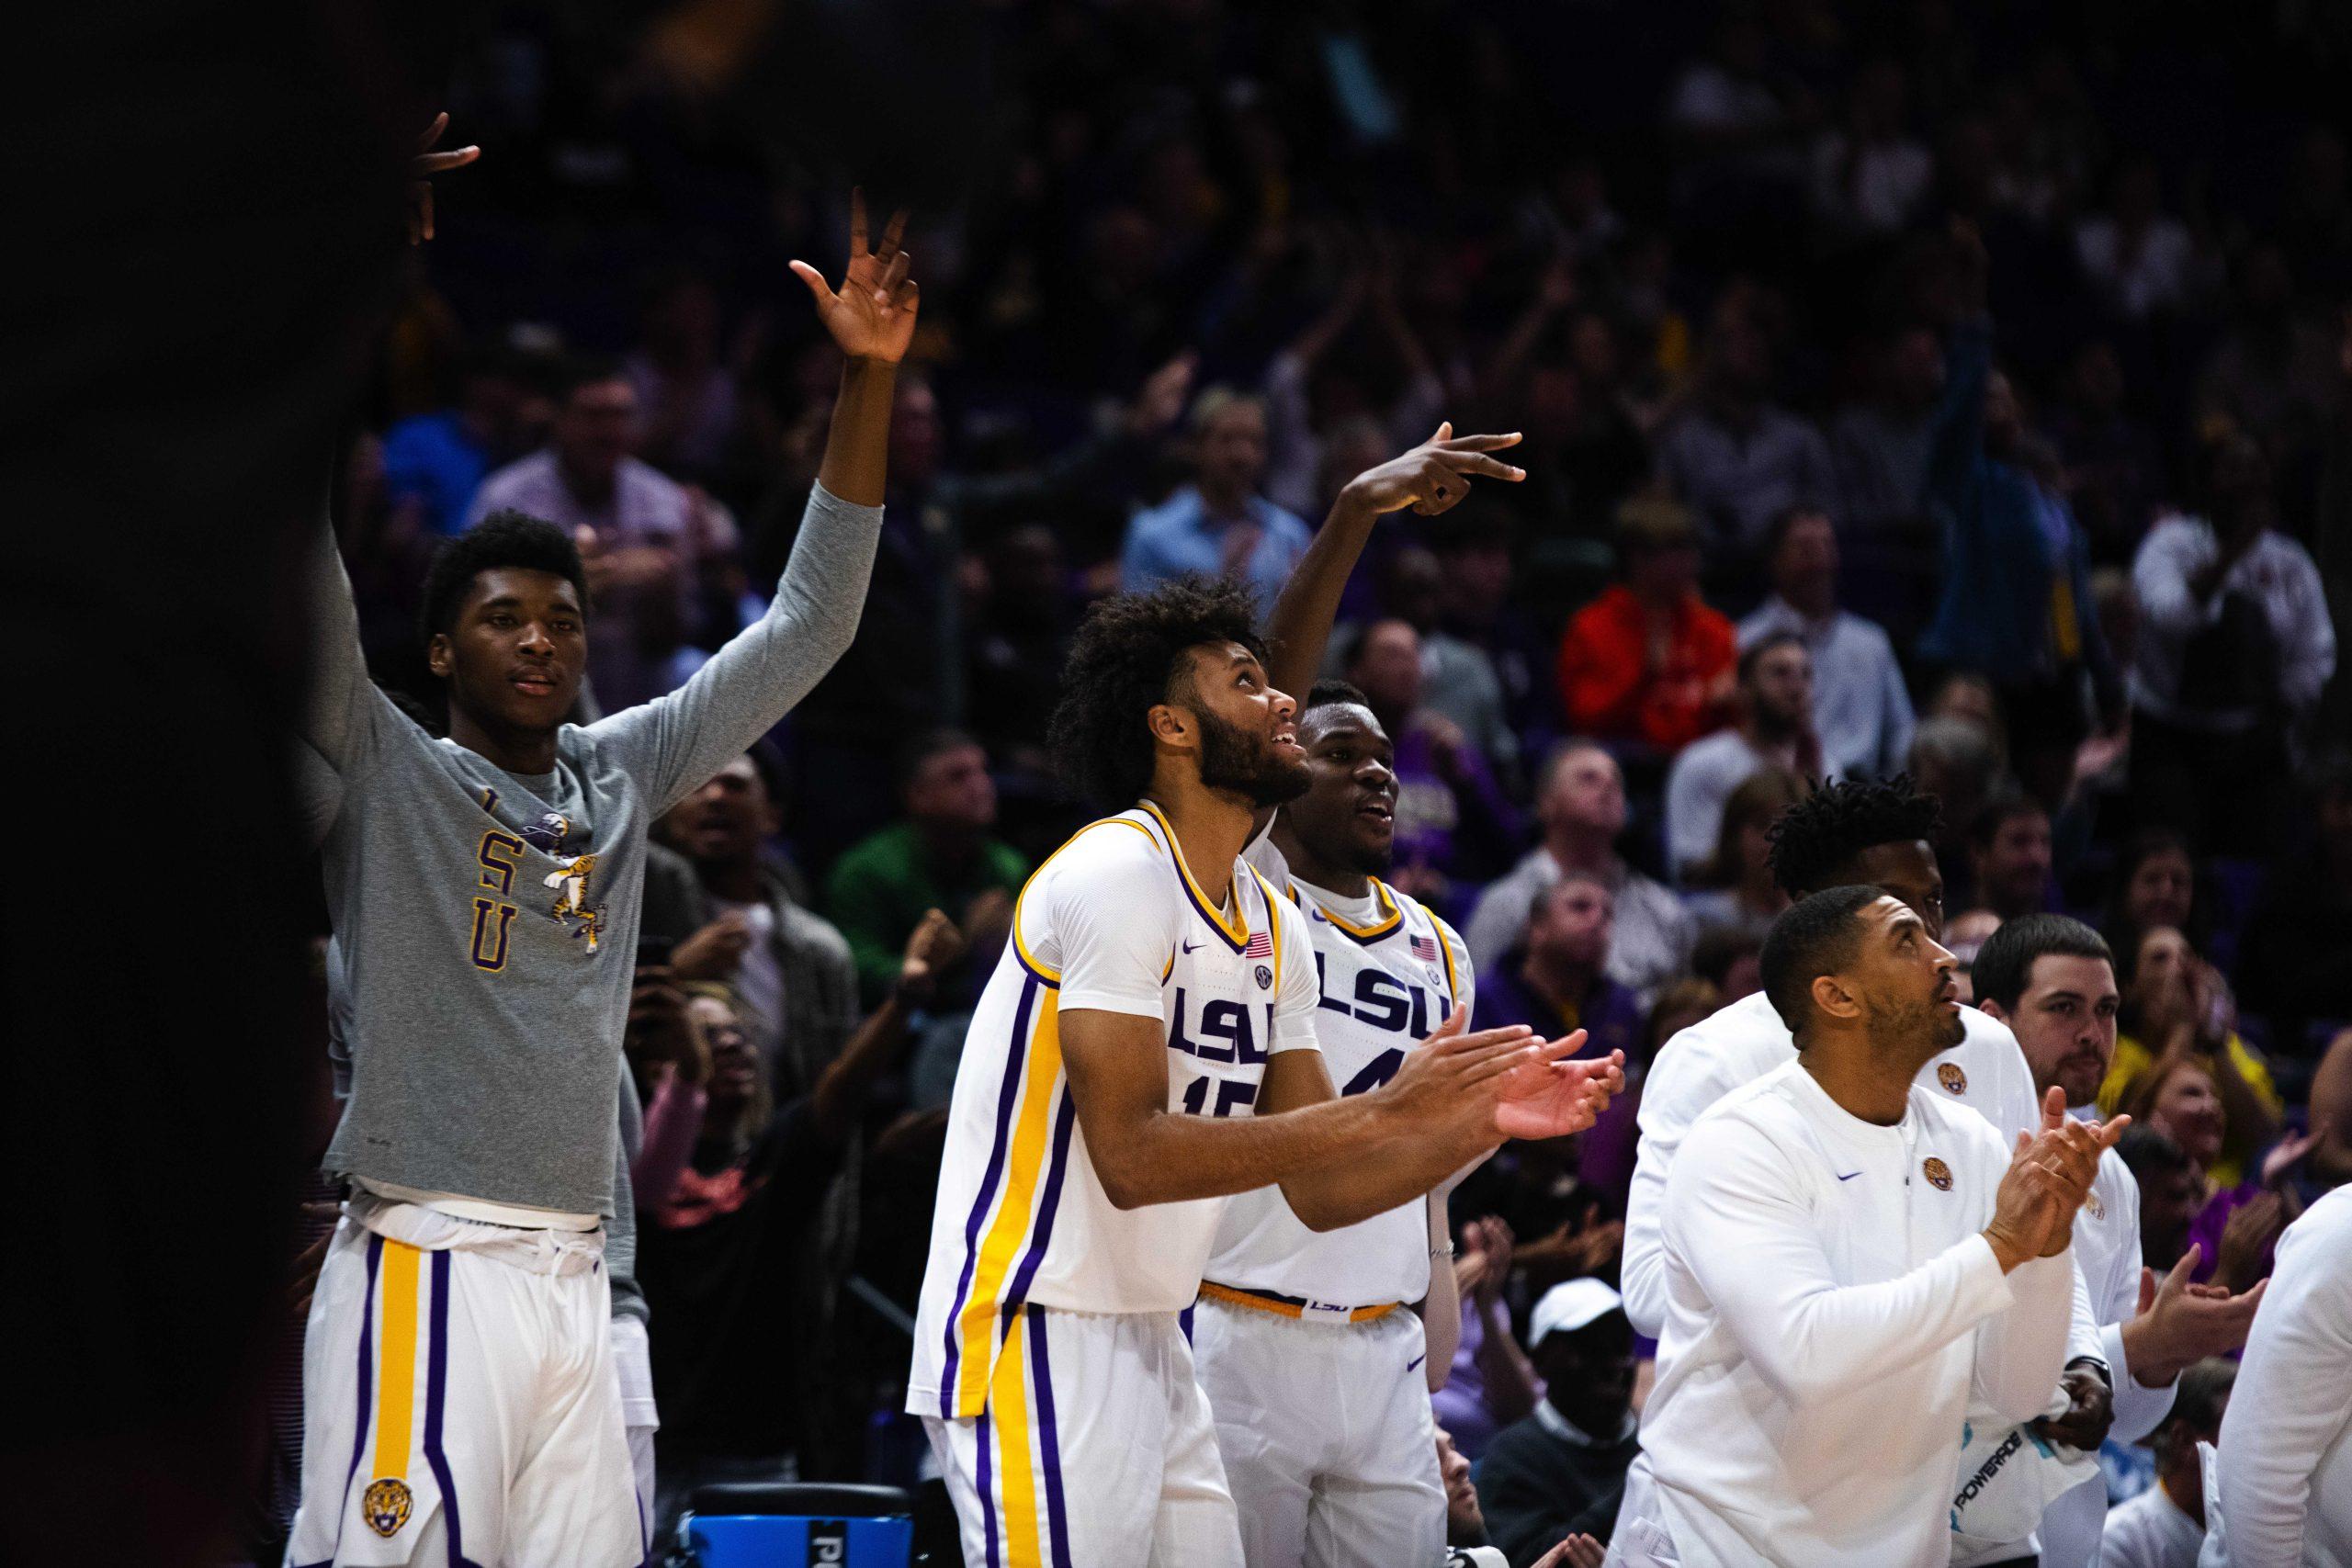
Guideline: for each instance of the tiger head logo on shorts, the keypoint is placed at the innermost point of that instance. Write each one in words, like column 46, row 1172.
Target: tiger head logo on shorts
column 385, row 1505
column 1937, row 1173
column 1952, row 1078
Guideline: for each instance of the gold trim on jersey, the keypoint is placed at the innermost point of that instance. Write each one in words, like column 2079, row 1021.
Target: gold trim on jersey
column 1285, row 1306
column 1209, row 912
column 1021, row 948
column 1392, row 917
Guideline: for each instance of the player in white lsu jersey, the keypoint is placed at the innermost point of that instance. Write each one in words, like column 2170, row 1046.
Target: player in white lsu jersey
column 1145, row 1048
column 1313, row 1363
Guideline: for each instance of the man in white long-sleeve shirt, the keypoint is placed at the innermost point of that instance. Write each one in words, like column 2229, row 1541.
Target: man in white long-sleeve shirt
column 1853, row 834
column 1851, row 1264
column 2052, row 980
column 2286, row 1453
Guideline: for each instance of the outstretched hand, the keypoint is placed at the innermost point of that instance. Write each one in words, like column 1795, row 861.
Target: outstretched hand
column 873, row 317
column 1551, row 1097
column 1433, row 477
column 2180, row 1324
column 421, row 170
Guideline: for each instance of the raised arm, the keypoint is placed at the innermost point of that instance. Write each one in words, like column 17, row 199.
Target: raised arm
column 675, row 742
column 341, row 707
column 1430, row 478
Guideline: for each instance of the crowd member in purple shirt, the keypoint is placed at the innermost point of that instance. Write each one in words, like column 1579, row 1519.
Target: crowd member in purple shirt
column 1560, row 973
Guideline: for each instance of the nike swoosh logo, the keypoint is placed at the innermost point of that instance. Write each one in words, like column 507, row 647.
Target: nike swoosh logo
column 1416, row 1362
column 1849, row 1178
column 1190, row 945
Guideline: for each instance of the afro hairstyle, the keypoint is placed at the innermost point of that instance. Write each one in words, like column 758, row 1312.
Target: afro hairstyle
column 1127, row 658
column 1822, row 834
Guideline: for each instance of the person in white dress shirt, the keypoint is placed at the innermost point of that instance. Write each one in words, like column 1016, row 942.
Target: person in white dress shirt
column 1852, row 1266
column 2052, row 980
column 2164, row 1526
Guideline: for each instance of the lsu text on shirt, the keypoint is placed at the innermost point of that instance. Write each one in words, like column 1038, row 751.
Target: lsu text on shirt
column 1385, row 983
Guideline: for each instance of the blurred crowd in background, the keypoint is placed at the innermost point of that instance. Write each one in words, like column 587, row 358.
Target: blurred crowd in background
column 1963, row 390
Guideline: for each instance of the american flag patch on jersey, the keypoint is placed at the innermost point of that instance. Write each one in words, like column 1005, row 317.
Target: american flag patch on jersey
column 1424, row 949
column 1262, row 945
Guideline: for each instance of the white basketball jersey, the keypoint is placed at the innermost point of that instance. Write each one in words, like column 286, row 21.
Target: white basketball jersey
column 1112, row 921
column 1383, row 985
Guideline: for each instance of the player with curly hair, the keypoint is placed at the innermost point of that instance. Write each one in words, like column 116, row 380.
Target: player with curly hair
column 1145, row 1048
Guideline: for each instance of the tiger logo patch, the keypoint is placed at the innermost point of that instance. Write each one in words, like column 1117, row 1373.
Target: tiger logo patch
column 385, row 1505
column 1937, row 1173
column 1955, row 1081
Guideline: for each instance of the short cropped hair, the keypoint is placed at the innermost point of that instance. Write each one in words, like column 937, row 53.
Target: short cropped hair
column 2150, row 1152
column 502, row 541
column 1753, row 654
column 1125, row 660
column 1825, row 832
column 2204, row 1389
column 922, row 747
column 1999, row 814
column 1818, row 935
column 1328, row 692
column 2004, row 966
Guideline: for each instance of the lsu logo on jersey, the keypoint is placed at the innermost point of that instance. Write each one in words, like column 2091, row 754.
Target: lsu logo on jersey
column 1222, row 1034
column 1952, row 1078
column 500, row 855
column 385, row 1505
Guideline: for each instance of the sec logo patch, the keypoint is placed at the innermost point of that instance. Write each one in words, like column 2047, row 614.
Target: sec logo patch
column 1266, row 978
column 1952, row 1078
column 1937, row 1173
column 385, row 1505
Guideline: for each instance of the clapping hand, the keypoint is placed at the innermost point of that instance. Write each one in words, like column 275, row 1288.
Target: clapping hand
column 1551, row 1097
column 2180, row 1324
column 2048, row 1179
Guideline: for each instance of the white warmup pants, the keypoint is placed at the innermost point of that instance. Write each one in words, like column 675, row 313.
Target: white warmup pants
column 460, row 1406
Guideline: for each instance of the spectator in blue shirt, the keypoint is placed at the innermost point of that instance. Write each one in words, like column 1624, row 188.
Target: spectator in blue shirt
column 2017, row 603
column 437, row 460
column 1219, row 526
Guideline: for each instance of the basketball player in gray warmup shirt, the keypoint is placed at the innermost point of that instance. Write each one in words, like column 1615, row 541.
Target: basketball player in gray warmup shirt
column 485, row 891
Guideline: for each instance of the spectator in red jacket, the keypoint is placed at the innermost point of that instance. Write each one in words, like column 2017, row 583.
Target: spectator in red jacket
column 1648, row 661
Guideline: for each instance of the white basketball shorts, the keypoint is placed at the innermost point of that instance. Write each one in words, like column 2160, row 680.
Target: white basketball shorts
column 1095, row 1451
column 1325, row 1433
column 461, row 1406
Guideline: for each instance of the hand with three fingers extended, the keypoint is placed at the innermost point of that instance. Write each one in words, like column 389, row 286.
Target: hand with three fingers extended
column 873, row 317
column 421, row 170
column 2049, row 1177
column 1433, row 477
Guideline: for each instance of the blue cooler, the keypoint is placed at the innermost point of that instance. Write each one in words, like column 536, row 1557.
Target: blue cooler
column 782, row 1525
